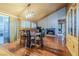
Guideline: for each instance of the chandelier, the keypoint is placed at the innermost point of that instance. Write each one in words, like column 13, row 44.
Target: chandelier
column 29, row 13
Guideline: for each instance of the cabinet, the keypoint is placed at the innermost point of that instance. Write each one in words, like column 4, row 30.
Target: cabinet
column 72, row 29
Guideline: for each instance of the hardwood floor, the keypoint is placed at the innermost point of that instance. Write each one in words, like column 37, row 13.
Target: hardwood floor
column 52, row 47
column 56, row 46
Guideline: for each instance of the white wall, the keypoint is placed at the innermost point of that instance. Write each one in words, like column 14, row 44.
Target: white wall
column 51, row 21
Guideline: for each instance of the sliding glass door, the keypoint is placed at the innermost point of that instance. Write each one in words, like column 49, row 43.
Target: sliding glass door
column 4, row 29
column 1, row 30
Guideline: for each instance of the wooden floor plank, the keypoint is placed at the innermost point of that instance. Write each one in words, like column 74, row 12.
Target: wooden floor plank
column 52, row 47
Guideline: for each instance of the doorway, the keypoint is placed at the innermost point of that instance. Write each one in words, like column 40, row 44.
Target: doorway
column 61, row 30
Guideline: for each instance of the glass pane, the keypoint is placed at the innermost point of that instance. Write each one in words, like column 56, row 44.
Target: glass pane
column 25, row 24
column 33, row 25
column 6, row 29
column 69, row 24
column 75, row 23
column 1, row 30
column 60, row 28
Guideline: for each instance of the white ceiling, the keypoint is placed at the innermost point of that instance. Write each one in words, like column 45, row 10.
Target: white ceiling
column 40, row 9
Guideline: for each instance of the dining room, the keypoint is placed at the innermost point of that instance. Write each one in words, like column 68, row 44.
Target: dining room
column 38, row 29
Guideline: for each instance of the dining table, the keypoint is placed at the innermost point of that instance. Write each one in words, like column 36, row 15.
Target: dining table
column 29, row 38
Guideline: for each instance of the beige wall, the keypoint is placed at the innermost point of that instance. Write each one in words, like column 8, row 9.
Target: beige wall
column 12, row 28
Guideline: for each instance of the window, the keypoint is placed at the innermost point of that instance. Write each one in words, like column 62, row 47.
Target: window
column 33, row 25
column 25, row 24
column 6, row 29
column 60, row 28
column 1, row 30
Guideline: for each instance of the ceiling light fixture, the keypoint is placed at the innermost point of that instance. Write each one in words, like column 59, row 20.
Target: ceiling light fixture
column 29, row 13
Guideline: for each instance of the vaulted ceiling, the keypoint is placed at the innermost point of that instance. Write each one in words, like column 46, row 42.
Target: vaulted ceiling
column 40, row 9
